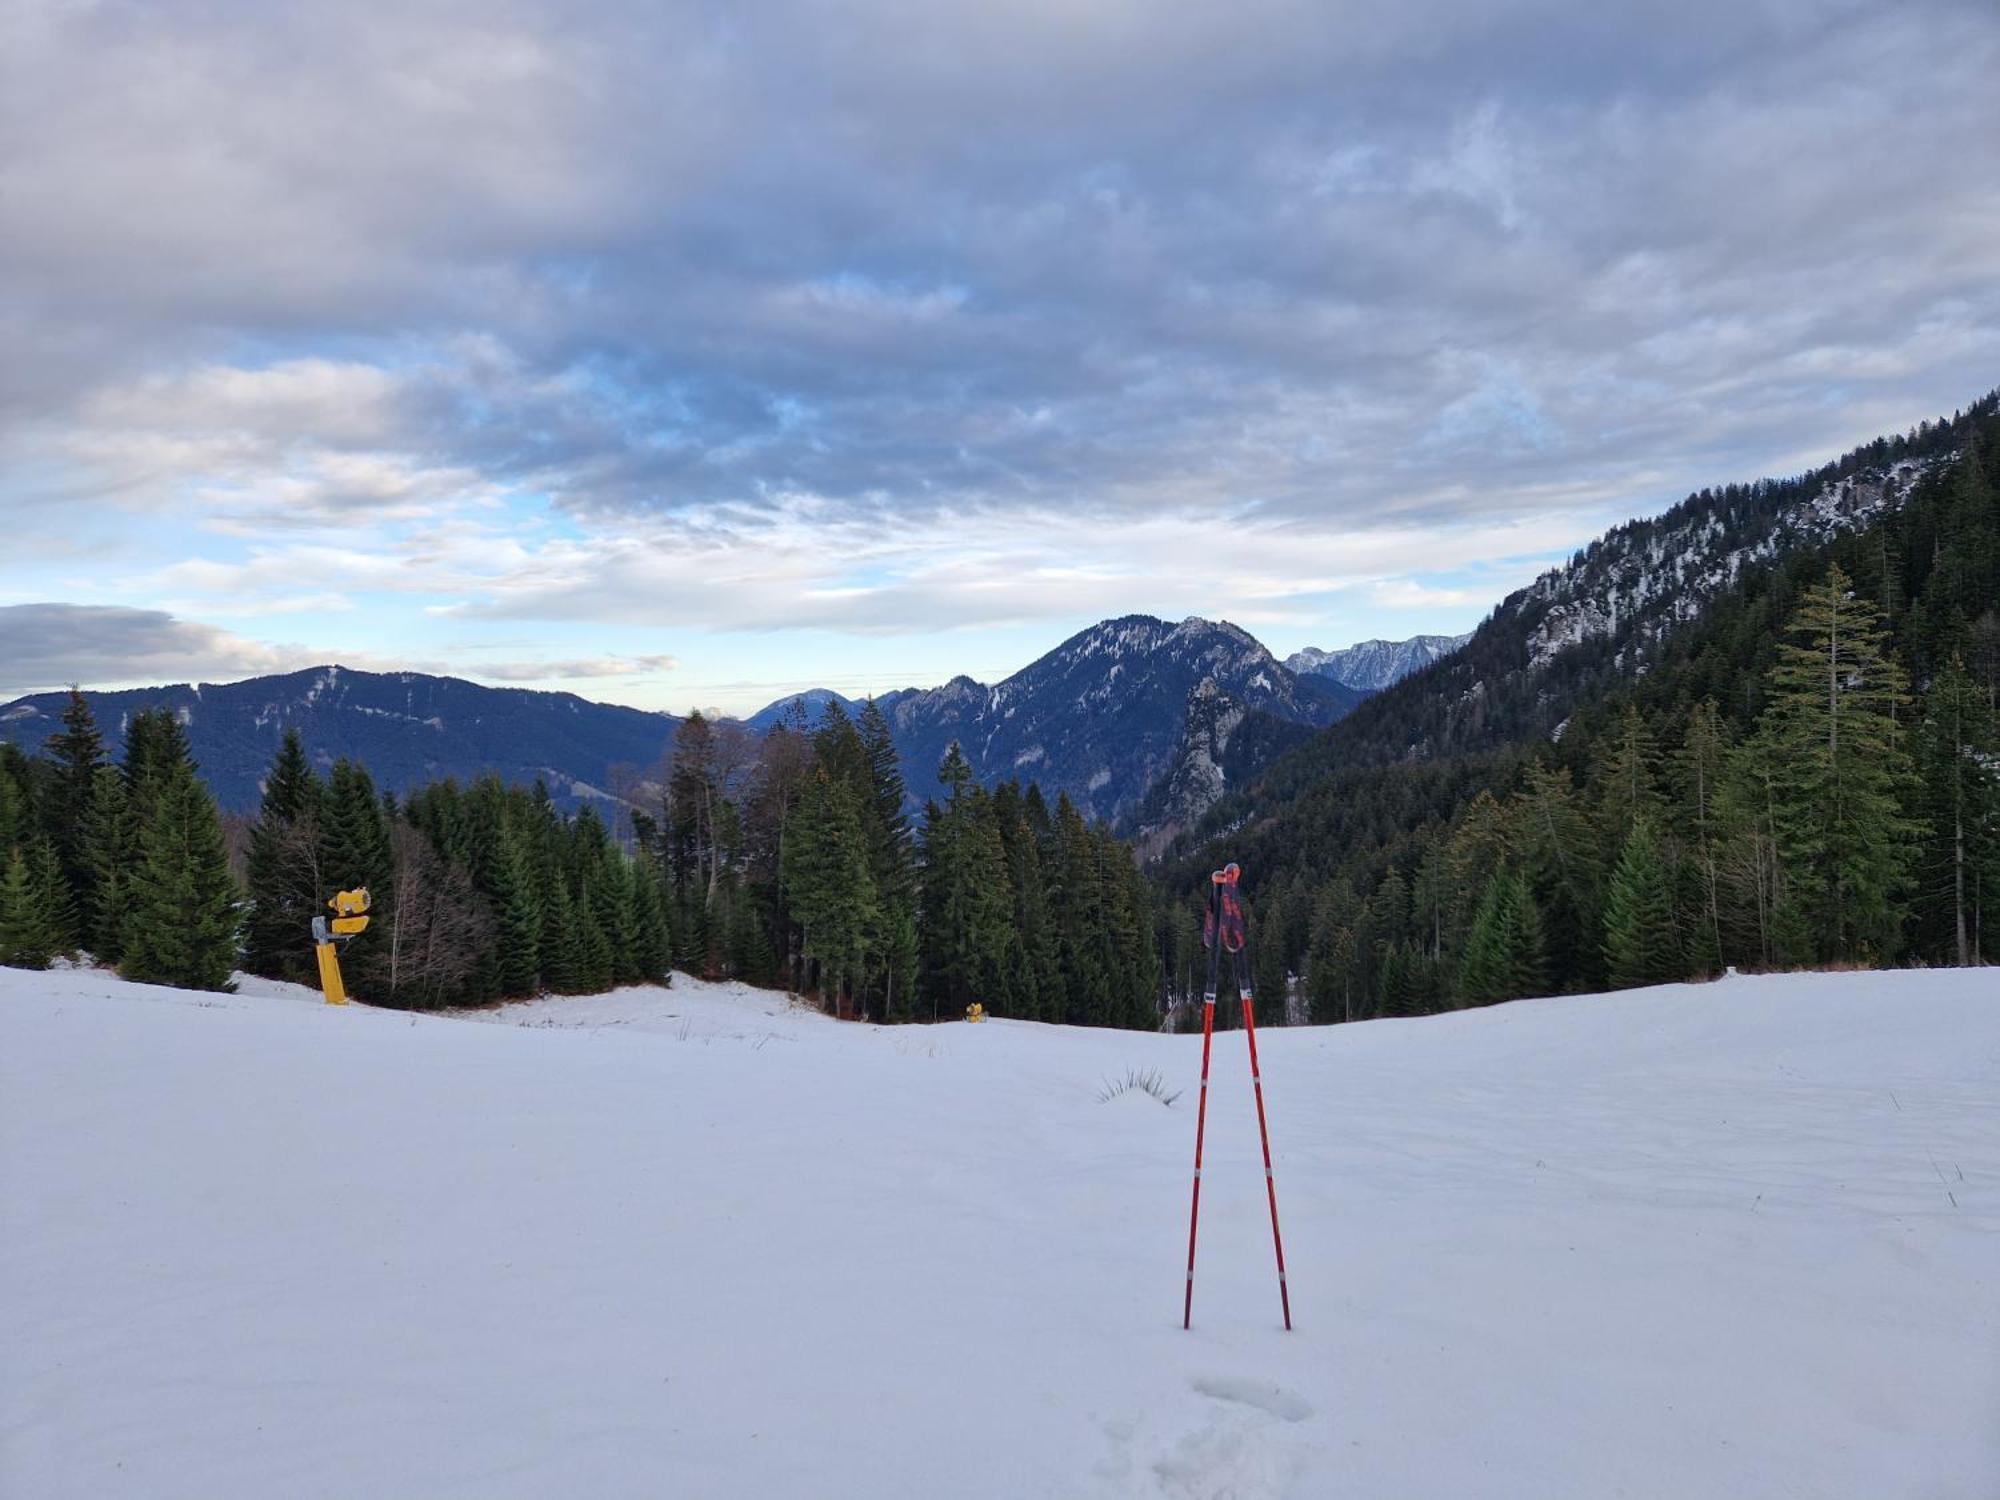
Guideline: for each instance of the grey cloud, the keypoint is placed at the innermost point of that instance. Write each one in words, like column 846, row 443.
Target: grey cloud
column 46, row 646
column 592, row 667
column 1442, row 261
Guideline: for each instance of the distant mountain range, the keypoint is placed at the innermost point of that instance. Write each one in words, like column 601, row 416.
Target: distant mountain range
column 406, row 727
column 1105, row 717
column 1374, row 665
column 1101, row 717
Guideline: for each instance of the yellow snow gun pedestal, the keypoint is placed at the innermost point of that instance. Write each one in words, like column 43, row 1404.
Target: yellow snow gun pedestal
column 350, row 916
column 975, row 1012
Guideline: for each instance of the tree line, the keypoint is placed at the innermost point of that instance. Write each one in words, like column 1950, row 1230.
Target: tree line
column 787, row 860
column 795, row 860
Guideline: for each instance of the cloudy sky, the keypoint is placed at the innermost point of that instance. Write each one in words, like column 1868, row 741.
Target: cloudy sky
column 694, row 354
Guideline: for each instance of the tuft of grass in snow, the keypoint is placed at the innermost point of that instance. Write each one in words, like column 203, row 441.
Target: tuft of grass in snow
column 1145, row 1080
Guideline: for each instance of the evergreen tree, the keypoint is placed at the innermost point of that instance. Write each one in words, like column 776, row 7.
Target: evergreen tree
column 1565, row 873
column 156, row 746
column 108, row 848
column 1701, row 765
column 183, row 916
column 651, row 942
column 1330, row 957
column 354, row 850
column 77, row 751
column 1504, row 956
column 1959, row 754
column 282, row 870
column 28, row 936
column 891, row 863
column 1131, row 957
column 1641, row 945
column 1841, row 771
column 501, row 869
column 967, row 898
column 1627, row 776
column 59, row 905
column 828, row 884
column 1401, row 977
column 565, row 963
column 1079, row 903
column 16, row 813
column 1267, row 954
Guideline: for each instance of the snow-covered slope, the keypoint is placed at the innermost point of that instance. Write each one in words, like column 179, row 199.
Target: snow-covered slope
column 1371, row 666
column 1733, row 1240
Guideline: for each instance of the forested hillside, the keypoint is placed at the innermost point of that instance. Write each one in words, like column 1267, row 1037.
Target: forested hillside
column 1802, row 770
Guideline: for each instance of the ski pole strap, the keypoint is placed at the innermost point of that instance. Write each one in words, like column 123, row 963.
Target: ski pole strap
column 1231, row 923
column 1225, row 910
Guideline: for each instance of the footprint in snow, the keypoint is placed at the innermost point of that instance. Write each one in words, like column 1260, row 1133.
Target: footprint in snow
column 1274, row 1399
column 1243, row 1451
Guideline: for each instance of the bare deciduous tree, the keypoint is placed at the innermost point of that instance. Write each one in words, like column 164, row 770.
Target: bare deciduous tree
column 439, row 925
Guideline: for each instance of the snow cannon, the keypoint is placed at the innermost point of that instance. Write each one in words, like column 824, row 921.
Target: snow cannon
column 350, row 916
column 975, row 1012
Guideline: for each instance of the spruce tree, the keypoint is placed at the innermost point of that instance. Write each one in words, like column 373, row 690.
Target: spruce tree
column 15, row 813
column 652, row 949
column 1959, row 754
column 77, row 751
column 1504, row 956
column 502, row 872
column 156, row 746
column 1641, row 945
column 1701, row 765
column 58, row 902
column 1560, row 859
column 891, row 862
column 1128, row 921
column 354, row 850
column 1840, row 772
column 1330, row 955
column 282, row 869
column 183, row 916
column 1079, row 904
column 968, row 900
column 1627, row 774
column 109, row 848
column 28, row 939
column 596, row 965
column 565, row 963
column 828, row 884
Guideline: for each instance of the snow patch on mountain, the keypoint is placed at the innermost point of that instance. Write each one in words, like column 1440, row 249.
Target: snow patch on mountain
column 1374, row 665
column 1651, row 578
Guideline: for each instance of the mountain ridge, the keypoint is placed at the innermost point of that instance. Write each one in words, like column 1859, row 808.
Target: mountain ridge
column 1595, row 623
column 1373, row 665
column 1098, row 717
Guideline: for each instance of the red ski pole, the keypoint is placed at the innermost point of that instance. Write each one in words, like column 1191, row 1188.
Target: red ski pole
column 1264, row 1135
column 1201, row 1109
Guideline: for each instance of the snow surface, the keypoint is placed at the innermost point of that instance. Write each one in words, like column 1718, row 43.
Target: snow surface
column 1726, row 1240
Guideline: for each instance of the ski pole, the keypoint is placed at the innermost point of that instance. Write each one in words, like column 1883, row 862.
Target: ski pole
column 1263, row 1131
column 1201, row 1109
